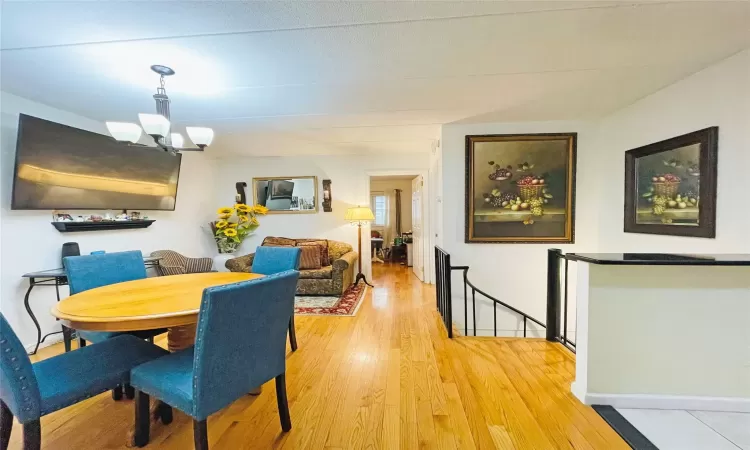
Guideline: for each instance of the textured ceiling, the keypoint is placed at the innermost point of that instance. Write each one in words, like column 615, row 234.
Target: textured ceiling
column 357, row 77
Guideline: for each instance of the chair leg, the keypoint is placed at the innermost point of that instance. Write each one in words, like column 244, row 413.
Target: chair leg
column 67, row 338
column 117, row 393
column 281, row 400
column 81, row 342
column 165, row 413
column 32, row 435
column 6, row 425
column 129, row 391
column 200, row 434
column 292, row 334
column 142, row 420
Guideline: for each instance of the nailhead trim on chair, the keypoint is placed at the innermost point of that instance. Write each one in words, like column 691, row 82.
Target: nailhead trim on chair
column 10, row 356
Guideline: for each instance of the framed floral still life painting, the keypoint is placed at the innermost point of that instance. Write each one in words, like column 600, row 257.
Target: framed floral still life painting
column 670, row 186
column 520, row 188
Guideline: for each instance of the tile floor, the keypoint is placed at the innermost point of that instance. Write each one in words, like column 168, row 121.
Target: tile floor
column 691, row 430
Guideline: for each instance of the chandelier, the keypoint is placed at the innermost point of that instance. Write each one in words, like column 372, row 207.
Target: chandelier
column 158, row 125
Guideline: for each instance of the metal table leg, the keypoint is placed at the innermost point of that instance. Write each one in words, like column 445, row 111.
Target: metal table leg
column 33, row 317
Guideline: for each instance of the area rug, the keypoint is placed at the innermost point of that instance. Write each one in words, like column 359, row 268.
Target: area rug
column 346, row 305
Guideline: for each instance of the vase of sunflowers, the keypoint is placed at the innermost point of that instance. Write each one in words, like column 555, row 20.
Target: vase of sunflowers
column 234, row 225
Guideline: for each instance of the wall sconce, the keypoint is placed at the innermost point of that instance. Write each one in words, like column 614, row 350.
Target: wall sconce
column 327, row 196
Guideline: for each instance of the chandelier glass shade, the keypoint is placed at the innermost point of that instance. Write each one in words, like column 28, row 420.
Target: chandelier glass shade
column 124, row 131
column 158, row 125
column 202, row 137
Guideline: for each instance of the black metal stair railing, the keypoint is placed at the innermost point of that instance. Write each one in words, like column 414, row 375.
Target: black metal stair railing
column 443, row 271
column 557, row 304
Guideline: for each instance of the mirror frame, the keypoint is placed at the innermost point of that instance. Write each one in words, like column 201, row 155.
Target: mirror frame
column 294, row 211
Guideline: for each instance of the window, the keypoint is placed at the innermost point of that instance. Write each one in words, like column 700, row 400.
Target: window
column 379, row 205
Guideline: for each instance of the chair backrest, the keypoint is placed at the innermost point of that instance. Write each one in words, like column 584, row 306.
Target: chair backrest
column 18, row 386
column 269, row 260
column 171, row 258
column 93, row 271
column 241, row 339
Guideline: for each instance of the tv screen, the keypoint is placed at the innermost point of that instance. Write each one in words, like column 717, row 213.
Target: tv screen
column 61, row 167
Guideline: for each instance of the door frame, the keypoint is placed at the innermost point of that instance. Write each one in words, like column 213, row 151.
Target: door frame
column 427, row 236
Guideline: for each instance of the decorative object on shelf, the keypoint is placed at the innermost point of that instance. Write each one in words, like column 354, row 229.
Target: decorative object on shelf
column 83, row 225
column 158, row 125
column 287, row 195
column 670, row 186
column 240, row 197
column 63, row 217
column 359, row 216
column 327, row 196
column 233, row 225
column 135, row 215
column 520, row 188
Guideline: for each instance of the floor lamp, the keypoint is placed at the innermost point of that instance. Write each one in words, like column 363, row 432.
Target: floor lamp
column 359, row 216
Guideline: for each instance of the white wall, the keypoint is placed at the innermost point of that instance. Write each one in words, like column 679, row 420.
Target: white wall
column 349, row 187
column 29, row 243
column 513, row 273
column 717, row 96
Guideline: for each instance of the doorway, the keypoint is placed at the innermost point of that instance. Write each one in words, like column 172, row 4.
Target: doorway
column 397, row 233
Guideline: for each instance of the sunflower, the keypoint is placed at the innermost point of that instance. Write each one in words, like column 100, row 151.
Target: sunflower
column 224, row 211
column 260, row 209
column 225, row 216
column 243, row 219
column 254, row 221
column 230, row 232
column 232, row 225
column 221, row 224
column 241, row 207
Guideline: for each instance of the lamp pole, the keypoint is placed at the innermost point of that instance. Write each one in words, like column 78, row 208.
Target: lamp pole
column 360, row 275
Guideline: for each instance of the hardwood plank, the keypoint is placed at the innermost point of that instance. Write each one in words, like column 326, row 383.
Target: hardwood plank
column 388, row 378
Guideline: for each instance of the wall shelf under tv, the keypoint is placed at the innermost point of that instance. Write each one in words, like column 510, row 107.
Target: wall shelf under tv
column 69, row 227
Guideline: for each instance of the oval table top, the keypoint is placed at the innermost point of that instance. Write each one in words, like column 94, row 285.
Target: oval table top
column 150, row 303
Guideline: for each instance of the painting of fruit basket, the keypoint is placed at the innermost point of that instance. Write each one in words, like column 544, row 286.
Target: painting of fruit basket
column 670, row 186
column 520, row 188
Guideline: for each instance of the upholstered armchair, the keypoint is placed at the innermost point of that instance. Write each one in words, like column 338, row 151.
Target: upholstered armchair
column 240, row 344
column 30, row 391
column 173, row 263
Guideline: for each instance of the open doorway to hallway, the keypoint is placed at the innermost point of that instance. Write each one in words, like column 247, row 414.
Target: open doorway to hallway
column 397, row 233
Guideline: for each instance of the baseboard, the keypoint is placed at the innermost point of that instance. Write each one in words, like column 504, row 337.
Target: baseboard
column 649, row 401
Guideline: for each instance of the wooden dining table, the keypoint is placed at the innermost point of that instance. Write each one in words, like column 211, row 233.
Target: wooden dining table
column 170, row 302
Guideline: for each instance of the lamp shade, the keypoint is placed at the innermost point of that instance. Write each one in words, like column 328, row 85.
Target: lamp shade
column 124, row 131
column 155, row 124
column 177, row 140
column 359, row 214
column 202, row 137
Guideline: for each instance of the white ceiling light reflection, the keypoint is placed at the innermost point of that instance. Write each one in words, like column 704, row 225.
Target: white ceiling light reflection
column 129, row 62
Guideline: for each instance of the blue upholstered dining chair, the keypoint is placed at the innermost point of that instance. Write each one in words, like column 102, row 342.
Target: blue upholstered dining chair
column 30, row 391
column 240, row 344
column 93, row 271
column 270, row 260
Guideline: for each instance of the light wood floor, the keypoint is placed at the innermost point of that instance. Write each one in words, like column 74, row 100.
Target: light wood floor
column 387, row 378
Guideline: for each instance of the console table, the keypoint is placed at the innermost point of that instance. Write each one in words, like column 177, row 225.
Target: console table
column 57, row 278
column 663, row 331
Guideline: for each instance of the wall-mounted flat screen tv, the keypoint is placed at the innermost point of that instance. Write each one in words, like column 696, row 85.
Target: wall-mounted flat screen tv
column 65, row 168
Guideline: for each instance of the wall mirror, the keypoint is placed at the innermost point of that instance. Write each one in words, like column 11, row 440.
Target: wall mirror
column 287, row 194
